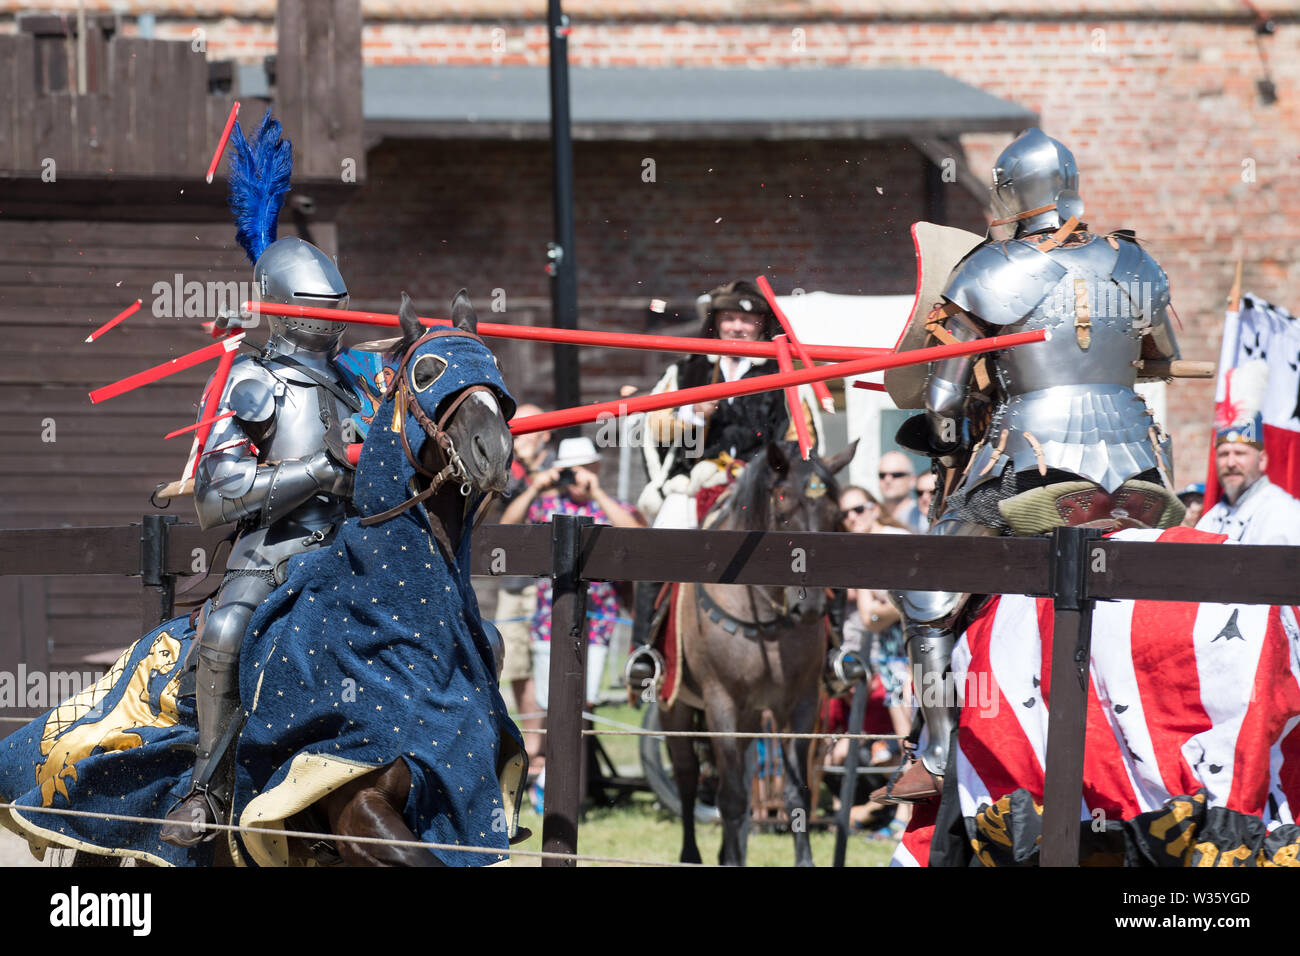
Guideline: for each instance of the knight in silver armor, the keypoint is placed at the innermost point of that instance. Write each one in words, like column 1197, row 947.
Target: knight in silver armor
column 1004, row 429
column 279, row 468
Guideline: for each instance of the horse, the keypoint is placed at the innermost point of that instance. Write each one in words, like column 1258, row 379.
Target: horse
column 747, row 649
column 1192, row 739
column 367, row 679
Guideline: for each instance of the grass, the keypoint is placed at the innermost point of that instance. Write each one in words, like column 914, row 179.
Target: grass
column 642, row 830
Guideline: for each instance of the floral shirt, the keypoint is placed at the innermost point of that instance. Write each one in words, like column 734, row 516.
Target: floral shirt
column 602, row 599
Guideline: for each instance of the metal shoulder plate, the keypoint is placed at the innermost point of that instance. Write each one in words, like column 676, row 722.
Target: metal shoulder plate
column 229, row 473
column 1002, row 282
column 250, row 390
column 1141, row 279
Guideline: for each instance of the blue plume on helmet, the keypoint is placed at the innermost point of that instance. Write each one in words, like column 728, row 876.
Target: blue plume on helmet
column 259, row 179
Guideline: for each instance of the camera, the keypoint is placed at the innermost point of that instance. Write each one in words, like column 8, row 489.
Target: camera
column 567, row 477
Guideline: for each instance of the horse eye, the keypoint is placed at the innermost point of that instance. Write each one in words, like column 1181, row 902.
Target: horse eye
column 426, row 370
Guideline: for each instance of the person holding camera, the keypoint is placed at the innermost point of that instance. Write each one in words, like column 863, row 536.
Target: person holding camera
column 571, row 486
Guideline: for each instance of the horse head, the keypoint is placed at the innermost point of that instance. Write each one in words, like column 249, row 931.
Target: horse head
column 440, row 437
column 782, row 492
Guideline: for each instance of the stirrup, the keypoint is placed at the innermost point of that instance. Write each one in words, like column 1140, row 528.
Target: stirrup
column 844, row 668
column 645, row 685
column 178, row 828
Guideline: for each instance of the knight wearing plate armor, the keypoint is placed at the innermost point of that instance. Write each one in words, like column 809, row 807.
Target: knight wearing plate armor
column 1043, row 434
column 278, row 466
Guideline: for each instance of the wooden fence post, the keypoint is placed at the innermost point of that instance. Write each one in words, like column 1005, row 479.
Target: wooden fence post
column 159, row 586
column 568, row 689
column 1068, row 715
column 849, row 784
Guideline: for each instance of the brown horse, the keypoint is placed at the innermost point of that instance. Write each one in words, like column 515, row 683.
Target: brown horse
column 748, row 649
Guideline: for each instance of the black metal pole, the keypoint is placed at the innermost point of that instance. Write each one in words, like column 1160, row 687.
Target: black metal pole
column 849, row 786
column 568, row 689
column 562, row 265
column 1068, row 715
column 159, row 586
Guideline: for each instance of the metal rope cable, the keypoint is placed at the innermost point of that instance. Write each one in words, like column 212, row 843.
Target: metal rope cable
column 379, row 841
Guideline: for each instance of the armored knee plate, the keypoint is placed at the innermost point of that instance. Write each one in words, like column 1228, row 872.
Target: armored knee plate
column 928, row 607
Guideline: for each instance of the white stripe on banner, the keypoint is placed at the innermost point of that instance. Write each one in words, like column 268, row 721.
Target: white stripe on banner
column 1115, row 681
column 1015, row 656
column 971, row 790
column 1228, row 639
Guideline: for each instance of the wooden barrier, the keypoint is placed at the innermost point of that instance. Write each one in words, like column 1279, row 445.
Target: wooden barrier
column 1073, row 567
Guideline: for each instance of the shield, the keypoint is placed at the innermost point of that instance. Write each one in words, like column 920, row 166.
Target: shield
column 938, row 250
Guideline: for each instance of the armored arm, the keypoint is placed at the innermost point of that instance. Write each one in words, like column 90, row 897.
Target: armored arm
column 1146, row 286
column 229, row 486
column 231, row 482
column 949, row 385
column 1159, row 341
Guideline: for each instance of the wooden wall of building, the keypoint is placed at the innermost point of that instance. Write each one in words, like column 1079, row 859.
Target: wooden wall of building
column 67, row 462
column 126, row 215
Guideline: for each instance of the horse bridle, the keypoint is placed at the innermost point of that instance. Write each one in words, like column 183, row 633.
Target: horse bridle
column 436, row 432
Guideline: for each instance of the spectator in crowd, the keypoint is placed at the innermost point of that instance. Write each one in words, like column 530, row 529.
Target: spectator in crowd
column 1251, row 509
column 1193, row 499
column 897, row 482
column 517, row 597
column 925, row 485
column 571, row 486
column 873, row 629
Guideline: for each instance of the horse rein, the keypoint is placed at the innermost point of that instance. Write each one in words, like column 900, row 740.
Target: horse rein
column 403, row 398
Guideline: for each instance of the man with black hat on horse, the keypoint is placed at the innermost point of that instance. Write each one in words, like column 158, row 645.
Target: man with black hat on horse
column 1044, row 434
column 694, row 452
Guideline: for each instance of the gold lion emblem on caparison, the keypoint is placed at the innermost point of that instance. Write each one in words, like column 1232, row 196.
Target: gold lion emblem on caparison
column 63, row 744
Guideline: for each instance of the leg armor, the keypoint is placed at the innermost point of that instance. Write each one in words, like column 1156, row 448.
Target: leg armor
column 928, row 618
column 218, row 670
column 218, row 702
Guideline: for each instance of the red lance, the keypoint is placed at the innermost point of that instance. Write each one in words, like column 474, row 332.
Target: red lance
column 819, row 388
column 226, row 347
column 584, row 414
column 615, row 340
column 792, row 402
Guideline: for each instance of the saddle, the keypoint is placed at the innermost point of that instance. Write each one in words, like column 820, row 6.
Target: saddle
column 1135, row 504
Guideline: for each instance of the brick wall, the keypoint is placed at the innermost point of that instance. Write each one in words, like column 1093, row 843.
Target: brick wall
column 1164, row 118
column 434, row 216
column 1158, row 103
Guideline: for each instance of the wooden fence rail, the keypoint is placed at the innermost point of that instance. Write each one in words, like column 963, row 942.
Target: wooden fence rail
column 1073, row 567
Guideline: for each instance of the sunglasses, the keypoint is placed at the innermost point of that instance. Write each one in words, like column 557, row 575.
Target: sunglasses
column 856, row 510
column 893, row 474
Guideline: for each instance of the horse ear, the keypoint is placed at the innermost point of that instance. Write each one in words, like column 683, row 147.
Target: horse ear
column 837, row 461
column 412, row 330
column 777, row 459
column 463, row 316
